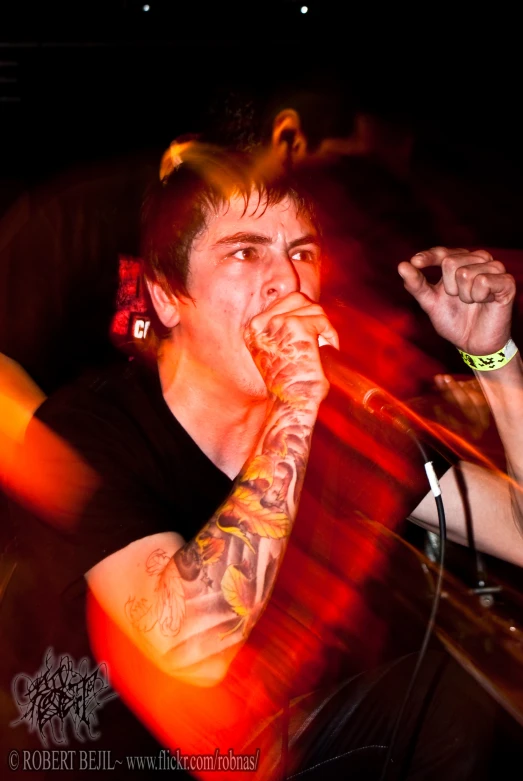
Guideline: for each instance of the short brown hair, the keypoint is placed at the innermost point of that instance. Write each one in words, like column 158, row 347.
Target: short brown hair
column 199, row 182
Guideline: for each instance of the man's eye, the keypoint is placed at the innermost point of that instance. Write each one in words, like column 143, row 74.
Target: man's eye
column 305, row 255
column 246, row 253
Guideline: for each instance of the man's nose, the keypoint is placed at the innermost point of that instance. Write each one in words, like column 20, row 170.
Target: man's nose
column 283, row 278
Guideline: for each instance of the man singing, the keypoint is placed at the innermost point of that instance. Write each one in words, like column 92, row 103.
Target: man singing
column 202, row 457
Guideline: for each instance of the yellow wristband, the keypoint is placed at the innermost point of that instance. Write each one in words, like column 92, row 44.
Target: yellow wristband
column 488, row 363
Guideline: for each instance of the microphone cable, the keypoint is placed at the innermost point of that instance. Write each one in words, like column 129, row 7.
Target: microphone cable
column 372, row 401
column 436, row 492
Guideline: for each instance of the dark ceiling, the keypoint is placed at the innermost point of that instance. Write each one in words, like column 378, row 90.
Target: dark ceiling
column 80, row 80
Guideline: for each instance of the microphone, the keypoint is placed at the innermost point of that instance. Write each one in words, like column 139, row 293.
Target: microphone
column 376, row 401
column 363, row 391
column 382, row 405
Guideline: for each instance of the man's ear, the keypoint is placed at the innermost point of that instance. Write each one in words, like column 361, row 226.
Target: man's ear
column 166, row 304
column 288, row 139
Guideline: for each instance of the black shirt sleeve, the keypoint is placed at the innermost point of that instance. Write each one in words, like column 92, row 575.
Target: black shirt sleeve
column 116, row 492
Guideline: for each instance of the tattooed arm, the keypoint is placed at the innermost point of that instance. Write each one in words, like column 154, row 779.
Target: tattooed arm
column 190, row 605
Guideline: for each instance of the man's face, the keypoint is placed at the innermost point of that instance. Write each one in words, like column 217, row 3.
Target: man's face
column 243, row 262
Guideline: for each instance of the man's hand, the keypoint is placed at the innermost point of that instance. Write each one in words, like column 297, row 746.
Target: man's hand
column 283, row 341
column 467, row 396
column 471, row 304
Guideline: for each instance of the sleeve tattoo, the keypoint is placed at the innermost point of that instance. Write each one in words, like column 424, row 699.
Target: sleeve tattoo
column 223, row 577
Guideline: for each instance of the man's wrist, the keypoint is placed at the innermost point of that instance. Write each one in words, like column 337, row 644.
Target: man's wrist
column 491, row 362
column 302, row 397
column 506, row 380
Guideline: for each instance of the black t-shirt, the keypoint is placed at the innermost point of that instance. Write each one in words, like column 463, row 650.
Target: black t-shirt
column 153, row 475
column 155, row 478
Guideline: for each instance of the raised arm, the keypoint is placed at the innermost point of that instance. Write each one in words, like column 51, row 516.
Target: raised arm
column 190, row 605
column 471, row 306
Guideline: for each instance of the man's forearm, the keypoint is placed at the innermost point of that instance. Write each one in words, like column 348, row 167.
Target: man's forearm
column 503, row 389
column 209, row 595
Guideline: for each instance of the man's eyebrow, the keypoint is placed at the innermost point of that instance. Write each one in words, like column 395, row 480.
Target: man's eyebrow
column 256, row 238
column 309, row 238
column 243, row 238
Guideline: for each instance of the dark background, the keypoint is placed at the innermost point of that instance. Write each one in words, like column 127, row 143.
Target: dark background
column 88, row 80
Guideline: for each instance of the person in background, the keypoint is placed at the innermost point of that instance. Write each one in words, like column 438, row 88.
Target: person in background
column 357, row 161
